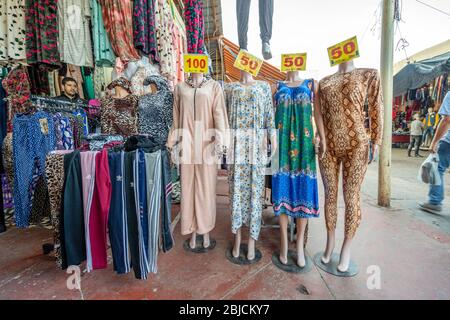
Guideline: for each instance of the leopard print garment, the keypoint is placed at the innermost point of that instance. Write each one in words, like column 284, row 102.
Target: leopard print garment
column 54, row 169
column 342, row 98
column 354, row 167
column 119, row 116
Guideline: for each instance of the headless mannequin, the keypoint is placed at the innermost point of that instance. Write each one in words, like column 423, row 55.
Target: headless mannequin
column 344, row 260
column 197, row 79
column 246, row 79
column 120, row 93
column 293, row 80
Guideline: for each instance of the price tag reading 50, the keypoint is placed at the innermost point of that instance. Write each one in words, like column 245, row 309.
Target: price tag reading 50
column 344, row 51
column 195, row 63
column 293, row 62
column 248, row 63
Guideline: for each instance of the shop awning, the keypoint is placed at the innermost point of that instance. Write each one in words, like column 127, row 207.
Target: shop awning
column 230, row 51
column 415, row 75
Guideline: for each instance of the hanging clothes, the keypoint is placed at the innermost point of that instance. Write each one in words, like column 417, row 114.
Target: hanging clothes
column 144, row 28
column 294, row 185
column 117, row 17
column 144, row 71
column 119, row 116
column 75, row 44
column 195, row 30
column 155, row 110
column 12, row 31
column 54, row 170
column 42, row 31
column 206, row 105
column 73, row 241
column 250, row 114
column 164, row 35
column 17, row 86
column 103, row 52
column 117, row 218
column 33, row 139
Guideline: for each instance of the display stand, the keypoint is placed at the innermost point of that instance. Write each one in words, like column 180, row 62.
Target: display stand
column 291, row 265
column 331, row 267
column 199, row 245
column 242, row 259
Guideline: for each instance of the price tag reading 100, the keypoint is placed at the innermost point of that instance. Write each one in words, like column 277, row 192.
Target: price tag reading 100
column 195, row 63
column 344, row 51
column 248, row 63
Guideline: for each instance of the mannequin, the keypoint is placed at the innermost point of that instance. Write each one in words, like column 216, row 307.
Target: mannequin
column 201, row 99
column 349, row 146
column 247, row 165
column 295, row 185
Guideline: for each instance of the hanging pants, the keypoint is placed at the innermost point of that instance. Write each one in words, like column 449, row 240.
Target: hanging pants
column 54, row 169
column 73, row 242
column 87, row 160
column 117, row 219
column 166, row 210
column 98, row 219
column 154, row 182
column 132, row 221
column 354, row 163
column 265, row 20
column 33, row 138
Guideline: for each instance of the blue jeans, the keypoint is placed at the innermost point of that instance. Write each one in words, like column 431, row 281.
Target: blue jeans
column 428, row 131
column 436, row 194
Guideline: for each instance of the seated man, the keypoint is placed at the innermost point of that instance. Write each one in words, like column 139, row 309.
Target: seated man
column 70, row 91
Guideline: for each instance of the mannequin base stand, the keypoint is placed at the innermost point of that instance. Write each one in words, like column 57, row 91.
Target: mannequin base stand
column 199, row 245
column 331, row 267
column 242, row 259
column 292, row 266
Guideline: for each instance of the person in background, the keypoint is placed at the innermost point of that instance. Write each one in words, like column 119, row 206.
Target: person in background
column 70, row 91
column 415, row 136
column 441, row 146
column 431, row 122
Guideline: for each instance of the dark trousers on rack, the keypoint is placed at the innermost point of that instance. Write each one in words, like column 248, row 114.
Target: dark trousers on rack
column 2, row 210
column 265, row 20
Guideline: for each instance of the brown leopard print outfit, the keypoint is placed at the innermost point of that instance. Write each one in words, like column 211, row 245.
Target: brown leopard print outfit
column 342, row 97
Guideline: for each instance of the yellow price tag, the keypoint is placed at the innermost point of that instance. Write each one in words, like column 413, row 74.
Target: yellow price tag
column 293, row 62
column 195, row 63
column 345, row 51
column 248, row 63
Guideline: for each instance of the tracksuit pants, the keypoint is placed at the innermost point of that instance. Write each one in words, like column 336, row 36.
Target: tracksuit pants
column 117, row 220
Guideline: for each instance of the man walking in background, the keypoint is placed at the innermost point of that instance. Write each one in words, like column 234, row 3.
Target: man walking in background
column 441, row 146
column 415, row 136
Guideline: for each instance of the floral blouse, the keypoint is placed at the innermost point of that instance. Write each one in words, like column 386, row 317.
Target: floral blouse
column 195, row 30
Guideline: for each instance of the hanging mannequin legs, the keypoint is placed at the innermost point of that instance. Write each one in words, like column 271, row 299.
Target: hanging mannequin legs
column 301, row 227
column 237, row 246
column 193, row 242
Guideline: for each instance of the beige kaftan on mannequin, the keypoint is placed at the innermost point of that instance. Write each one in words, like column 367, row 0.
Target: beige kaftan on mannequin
column 201, row 113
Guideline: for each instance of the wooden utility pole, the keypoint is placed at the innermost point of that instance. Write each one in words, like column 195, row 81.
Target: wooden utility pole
column 387, row 76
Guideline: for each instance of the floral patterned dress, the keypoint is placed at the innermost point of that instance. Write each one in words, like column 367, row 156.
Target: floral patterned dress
column 251, row 116
column 195, row 31
column 117, row 17
column 294, row 185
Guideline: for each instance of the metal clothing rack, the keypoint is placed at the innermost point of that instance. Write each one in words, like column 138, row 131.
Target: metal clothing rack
column 62, row 105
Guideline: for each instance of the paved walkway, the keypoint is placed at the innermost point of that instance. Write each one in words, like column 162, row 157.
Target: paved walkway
column 411, row 250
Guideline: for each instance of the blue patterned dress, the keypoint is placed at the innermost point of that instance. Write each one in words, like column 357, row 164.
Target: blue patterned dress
column 294, row 185
column 251, row 116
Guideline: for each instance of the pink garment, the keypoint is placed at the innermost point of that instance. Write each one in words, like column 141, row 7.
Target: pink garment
column 87, row 160
column 98, row 220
